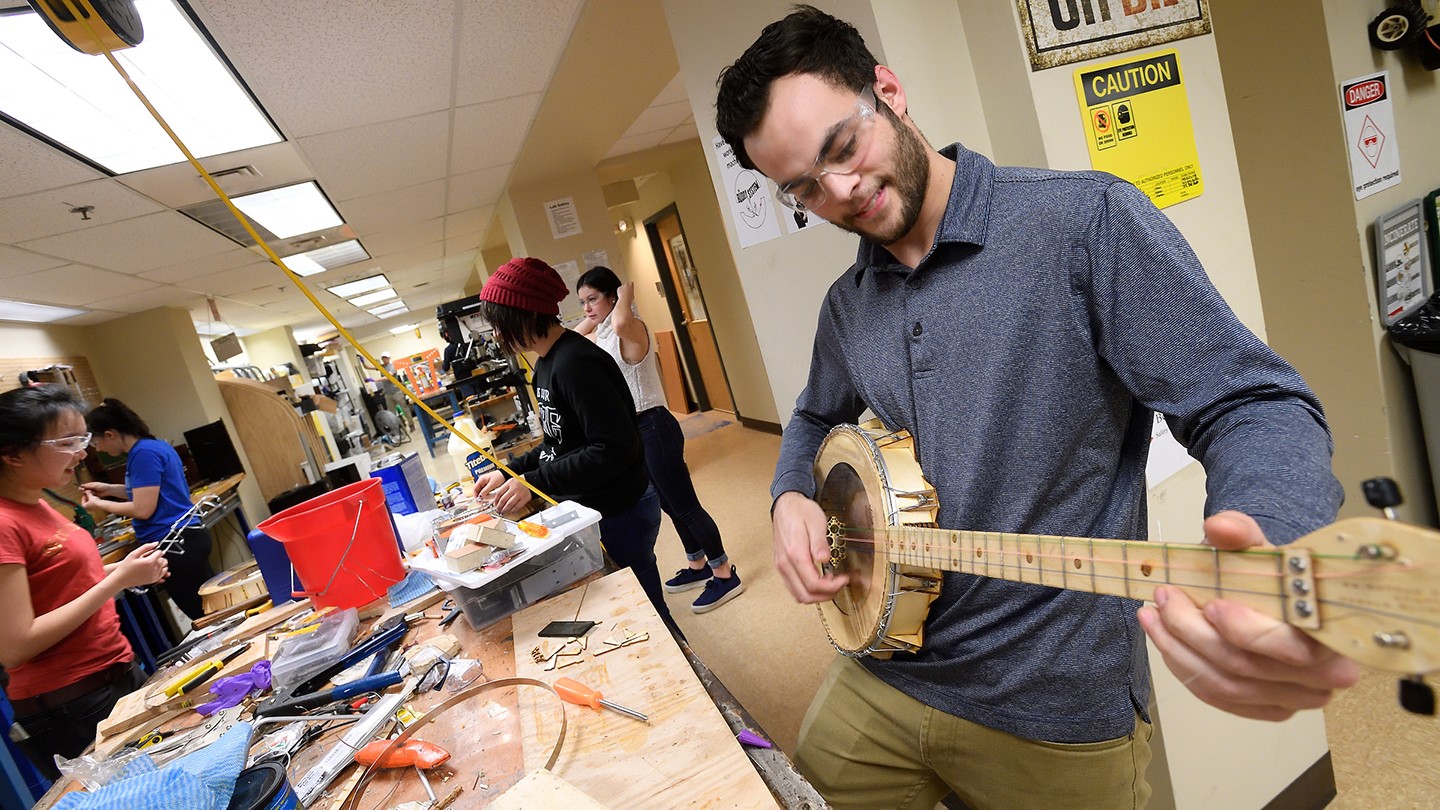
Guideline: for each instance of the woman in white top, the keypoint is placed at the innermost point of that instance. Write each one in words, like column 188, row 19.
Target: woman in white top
column 612, row 324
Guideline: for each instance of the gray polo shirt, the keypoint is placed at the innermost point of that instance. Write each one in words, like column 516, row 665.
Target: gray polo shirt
column 1026, row 353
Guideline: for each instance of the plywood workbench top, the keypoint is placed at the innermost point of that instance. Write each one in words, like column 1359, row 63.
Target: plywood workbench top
column 686, row 756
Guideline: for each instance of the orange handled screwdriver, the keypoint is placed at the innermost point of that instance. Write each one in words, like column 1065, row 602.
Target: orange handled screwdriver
column 572, row 691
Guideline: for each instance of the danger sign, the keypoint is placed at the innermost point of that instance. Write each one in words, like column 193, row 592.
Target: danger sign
column 1370, row 130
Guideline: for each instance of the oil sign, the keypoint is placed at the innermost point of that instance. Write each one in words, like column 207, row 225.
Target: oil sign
column 1058, row 32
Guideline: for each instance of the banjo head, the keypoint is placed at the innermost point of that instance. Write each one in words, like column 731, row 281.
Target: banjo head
column 868, row 482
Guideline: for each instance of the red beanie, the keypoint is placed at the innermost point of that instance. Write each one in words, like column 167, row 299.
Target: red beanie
column 527, row 284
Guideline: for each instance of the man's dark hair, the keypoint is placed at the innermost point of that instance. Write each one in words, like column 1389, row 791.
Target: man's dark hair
column 516, row 328
column 807, row 41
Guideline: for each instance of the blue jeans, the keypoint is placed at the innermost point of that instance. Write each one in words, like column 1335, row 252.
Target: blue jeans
column 665, row 460
column 629, row 539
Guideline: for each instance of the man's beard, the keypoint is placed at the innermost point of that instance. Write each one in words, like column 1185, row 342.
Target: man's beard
column 910, row 176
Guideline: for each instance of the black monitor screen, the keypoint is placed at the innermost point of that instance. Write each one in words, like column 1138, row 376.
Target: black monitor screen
column 214, row 453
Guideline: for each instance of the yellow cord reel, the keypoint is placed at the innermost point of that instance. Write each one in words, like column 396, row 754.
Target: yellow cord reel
column 93, row 26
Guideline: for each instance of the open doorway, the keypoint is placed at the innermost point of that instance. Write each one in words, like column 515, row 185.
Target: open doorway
column 680, row 278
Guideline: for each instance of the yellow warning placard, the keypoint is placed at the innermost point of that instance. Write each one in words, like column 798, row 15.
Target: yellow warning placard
column 1137, row 124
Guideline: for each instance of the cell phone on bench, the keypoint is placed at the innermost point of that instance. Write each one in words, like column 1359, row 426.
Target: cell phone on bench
column 566, row 629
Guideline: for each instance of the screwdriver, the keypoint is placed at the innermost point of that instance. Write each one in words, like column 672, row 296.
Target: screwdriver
column 572, row 691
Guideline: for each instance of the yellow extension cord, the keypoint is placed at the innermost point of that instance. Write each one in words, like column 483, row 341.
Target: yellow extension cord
column 85, row 12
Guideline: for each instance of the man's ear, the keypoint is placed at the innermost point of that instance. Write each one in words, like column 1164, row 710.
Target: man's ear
column 889, row 91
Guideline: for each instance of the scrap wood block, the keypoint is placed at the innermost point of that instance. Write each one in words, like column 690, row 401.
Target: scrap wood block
column 495, row 537
column 466, row 558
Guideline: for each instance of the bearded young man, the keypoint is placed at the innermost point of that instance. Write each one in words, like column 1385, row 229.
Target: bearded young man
column 1023, row 325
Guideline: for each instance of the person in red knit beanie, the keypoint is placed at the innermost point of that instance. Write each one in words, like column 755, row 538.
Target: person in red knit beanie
column 592, row 452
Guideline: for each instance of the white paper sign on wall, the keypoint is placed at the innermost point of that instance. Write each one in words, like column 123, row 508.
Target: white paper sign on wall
column 1370, row 133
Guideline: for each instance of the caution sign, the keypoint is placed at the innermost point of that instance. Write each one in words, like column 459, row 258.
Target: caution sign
column 1137, row 123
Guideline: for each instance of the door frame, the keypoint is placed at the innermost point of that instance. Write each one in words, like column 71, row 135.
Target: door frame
column 672, row 300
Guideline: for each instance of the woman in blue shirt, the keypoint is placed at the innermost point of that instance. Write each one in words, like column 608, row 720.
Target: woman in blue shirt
column 154, row 496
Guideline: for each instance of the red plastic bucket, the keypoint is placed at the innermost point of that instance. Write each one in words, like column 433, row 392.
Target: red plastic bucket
column 342, row 544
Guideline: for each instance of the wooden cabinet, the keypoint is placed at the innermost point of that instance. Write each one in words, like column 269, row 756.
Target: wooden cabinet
column 278, row 442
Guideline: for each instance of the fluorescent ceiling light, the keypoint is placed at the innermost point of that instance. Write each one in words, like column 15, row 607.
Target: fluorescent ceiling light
column 406, row 328
column 81, row 102
column 392, row 308
column 358, row 286
column 338, row 255
column 302, row 265
column 291, row 210
column 367, row 299
column 35, row 313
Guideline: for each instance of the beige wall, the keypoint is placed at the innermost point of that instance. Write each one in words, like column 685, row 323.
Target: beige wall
column 153, row 362
column 1417, row 122
column 678, row 174
column 273, row 347
column 782, row 280
column 528, row 225
column 42, row 340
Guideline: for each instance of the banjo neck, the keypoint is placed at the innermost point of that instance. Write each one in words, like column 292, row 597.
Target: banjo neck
column 1270, row 580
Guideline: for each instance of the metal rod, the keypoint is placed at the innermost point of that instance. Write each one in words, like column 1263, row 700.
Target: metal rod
column 623, row 710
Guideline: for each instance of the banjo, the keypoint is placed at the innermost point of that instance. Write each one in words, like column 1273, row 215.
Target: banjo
column 1367, row 588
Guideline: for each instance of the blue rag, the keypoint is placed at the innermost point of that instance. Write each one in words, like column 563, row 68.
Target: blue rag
column 203, row 780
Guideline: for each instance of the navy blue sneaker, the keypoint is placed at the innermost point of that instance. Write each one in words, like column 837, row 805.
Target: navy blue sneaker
column 687, row 579
column 718, row 591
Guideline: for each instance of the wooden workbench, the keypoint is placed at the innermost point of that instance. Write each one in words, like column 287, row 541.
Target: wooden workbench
column 686, row 756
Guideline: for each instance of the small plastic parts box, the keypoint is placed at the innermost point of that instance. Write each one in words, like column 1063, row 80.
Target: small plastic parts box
column 300, row 657
column 568, row 554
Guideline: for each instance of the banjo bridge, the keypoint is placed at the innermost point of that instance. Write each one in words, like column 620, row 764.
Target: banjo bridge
column 835, row 533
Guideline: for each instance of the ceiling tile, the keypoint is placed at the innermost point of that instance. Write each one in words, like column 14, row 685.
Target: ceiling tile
column 414, row 259
column 136, row 245
column 396, row 239
column 48, row 213
column 161, row 296
column 680, row 134
column 201, row 267
column 377, row 212
column 476, row 189
column 658, row 118
column 91, row 318
column 238, row 280
column 264, row 296
column 179, row 185
column 635, row 143
column 357, row 65
column 371, row 159
column 462, row 244
column 28, row 165
column 468, row 221
column 73, row 285
column 507, row 48
column 492, row 133
column 673, row 92
column 17, row 262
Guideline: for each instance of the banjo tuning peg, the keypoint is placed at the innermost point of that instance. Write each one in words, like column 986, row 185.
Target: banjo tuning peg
column 1382, row 493
column 1416, row 696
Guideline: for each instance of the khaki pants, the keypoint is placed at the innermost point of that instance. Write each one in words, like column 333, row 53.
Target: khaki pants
column 865, row 744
